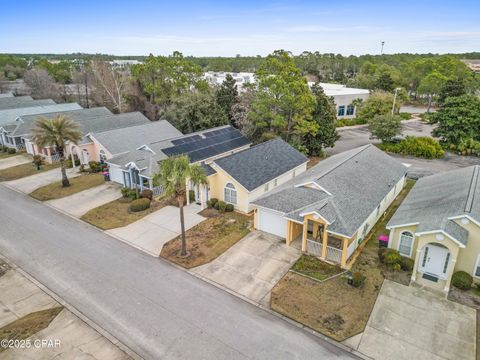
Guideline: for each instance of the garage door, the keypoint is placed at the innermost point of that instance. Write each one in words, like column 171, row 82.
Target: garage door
column 272, row 222
column 116, row 174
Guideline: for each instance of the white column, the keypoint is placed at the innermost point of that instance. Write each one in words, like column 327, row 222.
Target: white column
column 188, row 191
column 202, row 197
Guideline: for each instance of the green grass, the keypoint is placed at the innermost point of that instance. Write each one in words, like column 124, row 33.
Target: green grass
column 77, row 184
column 315, row 268
column 23, row 170
column 28, row 325
column 4, row 155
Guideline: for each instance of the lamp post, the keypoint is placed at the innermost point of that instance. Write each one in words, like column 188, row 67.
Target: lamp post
column 395, row 99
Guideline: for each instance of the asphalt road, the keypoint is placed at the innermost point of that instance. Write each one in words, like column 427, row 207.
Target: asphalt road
column 358, row 136
column 157, row 310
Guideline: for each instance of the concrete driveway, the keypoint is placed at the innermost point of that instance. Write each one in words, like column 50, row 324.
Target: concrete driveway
column 252, row 266
column 410, row 323
column 150, row 233
column 33, row 182
column 79, row 203
column 14, row 161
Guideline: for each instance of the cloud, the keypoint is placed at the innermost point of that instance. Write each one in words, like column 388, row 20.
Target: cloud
column 320, row 28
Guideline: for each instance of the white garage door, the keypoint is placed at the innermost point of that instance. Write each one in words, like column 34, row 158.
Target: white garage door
column 116, row 174
column 272, row 222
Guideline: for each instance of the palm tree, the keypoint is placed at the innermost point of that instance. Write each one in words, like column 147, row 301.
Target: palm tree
column 56, row 132
column 172, row 177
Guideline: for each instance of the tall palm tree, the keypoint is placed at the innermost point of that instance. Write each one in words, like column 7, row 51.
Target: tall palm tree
column 173, row 176
column 56, row 132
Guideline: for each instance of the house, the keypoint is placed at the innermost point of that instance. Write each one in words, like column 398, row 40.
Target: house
column 438, row 225
column 135, row 168
column 244, row 176
column 22, row 101
column 8, row 118
column 331, row 207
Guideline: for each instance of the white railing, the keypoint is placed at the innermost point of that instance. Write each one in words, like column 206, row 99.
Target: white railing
column 157, row 191
column 351, row 248
column 334, row 254
column 314, row 247
column 55, row 157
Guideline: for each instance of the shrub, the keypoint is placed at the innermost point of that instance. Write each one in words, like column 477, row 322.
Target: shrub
column 462, row 280
column 191, row 196
column 139, row 204
column 381, row 254
column 424, row 147
column 95, row 166
column 229, row 208
column 37, row 160
column 212, row 202
column 405, row 115
column 395, row 267
column 222, row 206
column 147, row 194
column 128, row 193
column 11, row 150
column 406, row 263
column 358, row 279
column 392, row 258
column 215, row 206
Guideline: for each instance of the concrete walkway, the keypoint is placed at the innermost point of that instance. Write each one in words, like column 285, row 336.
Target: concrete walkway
column 252, row 266
column 80, row 203
column 33, row 182
column 410, row 323
column 14, row 161
column 153, row 231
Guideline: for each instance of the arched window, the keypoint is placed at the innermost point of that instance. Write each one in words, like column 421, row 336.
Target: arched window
column 230, row 194
column 405, row 244
column 102, row 155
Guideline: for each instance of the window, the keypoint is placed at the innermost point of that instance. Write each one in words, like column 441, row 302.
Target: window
column 476, row 270
column 405, row 244
column 350, row 109
column 230, row 194
column 341, row 110
column 425, row 255
column 266, row 187
column 103, row 157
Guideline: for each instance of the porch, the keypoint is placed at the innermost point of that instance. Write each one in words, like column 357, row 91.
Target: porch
column 317, row 241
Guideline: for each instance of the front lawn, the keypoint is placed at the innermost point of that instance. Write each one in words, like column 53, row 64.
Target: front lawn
column 333, row 307
column 23, row 170
column 311, row 266
column 209, row 239
column 117, row 214
column 28, row 325
column 77, row 184
column 4, row 155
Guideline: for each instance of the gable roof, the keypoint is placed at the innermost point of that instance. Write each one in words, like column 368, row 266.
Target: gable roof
column 20, row 102
column 344, row 189
column 6, row 95
column 129, row 138
column 26, row 123
column 10, row 115
column 261, row 163
column 436, row 199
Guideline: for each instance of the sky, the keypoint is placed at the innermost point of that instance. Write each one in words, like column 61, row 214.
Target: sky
column 228, row 28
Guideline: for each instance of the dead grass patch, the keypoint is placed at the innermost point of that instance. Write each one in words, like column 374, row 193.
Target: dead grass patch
column 28, row 325
column 209, row 239
column 23, row 170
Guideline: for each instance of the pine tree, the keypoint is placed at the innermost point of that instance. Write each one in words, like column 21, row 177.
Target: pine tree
column 227, row 96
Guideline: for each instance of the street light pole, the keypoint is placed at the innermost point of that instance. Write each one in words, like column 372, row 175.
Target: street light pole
column 395, row 99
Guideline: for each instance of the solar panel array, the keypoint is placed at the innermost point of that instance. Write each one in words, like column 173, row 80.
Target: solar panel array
column 215, row 142
column 186, row 140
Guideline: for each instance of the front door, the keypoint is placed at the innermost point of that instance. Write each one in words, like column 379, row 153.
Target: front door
column 434, row 259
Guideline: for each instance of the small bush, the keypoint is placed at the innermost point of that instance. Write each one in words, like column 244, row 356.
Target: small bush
column 229, row 208
column 358, row 279
column 37, row 160
column 395, row 267
column 406, row 263
column 95, row 166
column 11, row 150
column 405, row 115
column 222, row 206
column 147, row 194
column 139, row 204
column 392, row 258
column 212, row 202
column 381, row 254
column 128, row 193
column 424, row 147
column 462, row 280
column 215, row 206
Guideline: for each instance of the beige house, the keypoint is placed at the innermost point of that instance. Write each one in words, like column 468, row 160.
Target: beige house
column 331, row 207
column 438, row 225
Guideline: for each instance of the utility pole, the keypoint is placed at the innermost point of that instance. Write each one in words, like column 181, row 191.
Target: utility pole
column 381, row 51
column 86, row 86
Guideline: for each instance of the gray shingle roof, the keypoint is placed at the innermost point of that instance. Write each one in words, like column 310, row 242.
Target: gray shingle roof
column 27, row 103
column 261, row 163
column 10, row 115
column 129, row 138
column 434, row 199
column 82, row 116
column 208, row 169
column 6, row 95
column 354, row 183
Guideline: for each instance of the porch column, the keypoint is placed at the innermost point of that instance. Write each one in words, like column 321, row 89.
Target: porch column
column 150, row 183
column 304, row 236
column 289, row 233
column 188, row 191
column 324, row 241
column 344, row 252
column 417, row 260
column 202, row 196
column 49, row 155
column 73, row 158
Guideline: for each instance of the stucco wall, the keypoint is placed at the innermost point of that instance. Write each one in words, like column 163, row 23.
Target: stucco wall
column 467, row 257
column 394, row 238
column 345, row 100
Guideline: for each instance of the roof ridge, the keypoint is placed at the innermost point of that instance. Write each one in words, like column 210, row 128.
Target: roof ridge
column 471, row 189
column 347, row 159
